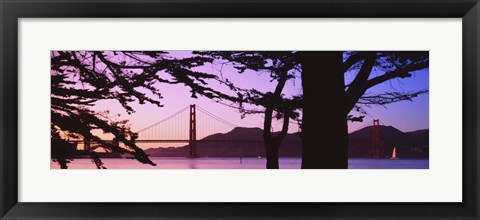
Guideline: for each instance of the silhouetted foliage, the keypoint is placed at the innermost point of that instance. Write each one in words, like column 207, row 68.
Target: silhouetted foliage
column 373, row 68
column 281, row 67
column 82, row 78
column 79, row 79
column 370, row 69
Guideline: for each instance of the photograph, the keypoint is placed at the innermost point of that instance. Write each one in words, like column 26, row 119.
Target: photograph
column 188, row 109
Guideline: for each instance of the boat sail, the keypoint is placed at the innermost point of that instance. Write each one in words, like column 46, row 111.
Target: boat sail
column 394, row 154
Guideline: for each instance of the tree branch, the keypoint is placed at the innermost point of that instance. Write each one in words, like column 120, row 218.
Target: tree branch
column 400, row 73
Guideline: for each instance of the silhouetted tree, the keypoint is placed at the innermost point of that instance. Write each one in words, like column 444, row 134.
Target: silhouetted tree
column 330, row 123
column 81, row 78
column 281, row 67
column 323, row 82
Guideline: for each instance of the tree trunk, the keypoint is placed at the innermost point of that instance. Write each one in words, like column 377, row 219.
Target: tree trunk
column 272, row 156
column 272, row 144
column 324, row 124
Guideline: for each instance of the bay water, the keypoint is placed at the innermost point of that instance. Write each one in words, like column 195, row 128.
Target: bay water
column 237, row 163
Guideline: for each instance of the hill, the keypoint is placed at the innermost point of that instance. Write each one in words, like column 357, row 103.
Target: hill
column 247, row 142
column 251, row 145
column 408, row 144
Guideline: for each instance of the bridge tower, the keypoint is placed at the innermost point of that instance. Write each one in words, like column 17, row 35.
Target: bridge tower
column 376, row 138
column 192, row 141
column 86, row 142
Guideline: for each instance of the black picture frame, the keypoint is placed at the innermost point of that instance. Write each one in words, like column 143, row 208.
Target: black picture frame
column 12, row 10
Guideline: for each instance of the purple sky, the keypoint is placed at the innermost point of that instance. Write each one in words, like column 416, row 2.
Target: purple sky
column 406, row 116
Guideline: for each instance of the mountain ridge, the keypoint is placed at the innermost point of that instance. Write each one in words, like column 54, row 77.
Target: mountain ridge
column 413, row 144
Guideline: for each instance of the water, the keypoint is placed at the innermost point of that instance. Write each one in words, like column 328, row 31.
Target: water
column 237, row 163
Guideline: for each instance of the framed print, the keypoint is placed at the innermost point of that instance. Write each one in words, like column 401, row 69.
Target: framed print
column 256, row 110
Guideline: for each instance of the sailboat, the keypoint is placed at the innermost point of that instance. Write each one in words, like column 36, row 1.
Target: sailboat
column 394, row 154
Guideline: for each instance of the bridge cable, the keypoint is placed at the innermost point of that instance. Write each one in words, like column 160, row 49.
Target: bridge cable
column 163, row 120
column 216, row 117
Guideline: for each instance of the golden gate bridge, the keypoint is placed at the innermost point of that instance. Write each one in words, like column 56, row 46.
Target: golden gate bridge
column 172, row 130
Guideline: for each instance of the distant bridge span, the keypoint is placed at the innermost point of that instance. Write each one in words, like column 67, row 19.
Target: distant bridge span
column 151, row 133
column 172, row 127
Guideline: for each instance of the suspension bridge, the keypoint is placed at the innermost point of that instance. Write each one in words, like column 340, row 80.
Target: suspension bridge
column 172, row 129
column 201, row 124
